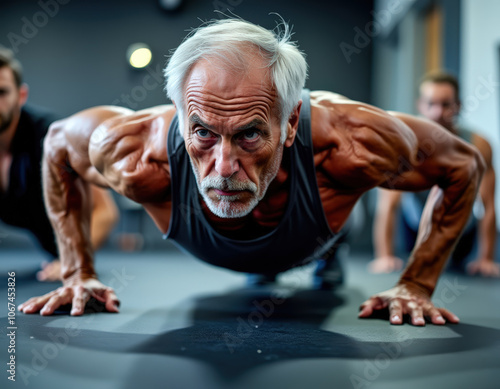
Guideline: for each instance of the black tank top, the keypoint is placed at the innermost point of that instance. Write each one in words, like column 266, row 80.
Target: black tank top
column 302, row 235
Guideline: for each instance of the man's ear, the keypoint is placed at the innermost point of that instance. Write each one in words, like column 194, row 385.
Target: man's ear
column 293, row 124
column 23, row 94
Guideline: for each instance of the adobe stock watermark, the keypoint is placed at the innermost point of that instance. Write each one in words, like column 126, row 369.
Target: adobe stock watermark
column 427, row 148
column 373, row 28
column 43, row 355
column 138, row 93
column 247, row 326
column 31, row 26
column 483, row 90
column 373, row 368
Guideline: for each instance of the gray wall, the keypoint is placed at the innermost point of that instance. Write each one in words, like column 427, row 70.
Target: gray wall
column 480, row 78
column 73, row 51
column 76, row 58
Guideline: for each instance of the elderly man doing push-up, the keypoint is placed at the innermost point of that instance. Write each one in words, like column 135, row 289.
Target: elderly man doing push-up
column 249, row 172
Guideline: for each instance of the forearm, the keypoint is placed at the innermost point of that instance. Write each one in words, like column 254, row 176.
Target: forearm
column 67, row 202
column 104, row 216
column 444, row 217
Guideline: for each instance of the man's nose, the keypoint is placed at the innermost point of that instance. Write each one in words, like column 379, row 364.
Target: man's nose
column 226, row 163
column 436, row 112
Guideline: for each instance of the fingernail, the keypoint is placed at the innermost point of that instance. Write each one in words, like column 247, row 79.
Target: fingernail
column 440, row 320
column 395, row 318
column 419, row 320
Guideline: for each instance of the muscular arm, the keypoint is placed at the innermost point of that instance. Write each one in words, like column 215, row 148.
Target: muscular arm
column 67, row 175
column 108, row 147
column 454, row 169
column 67, row 178
column 359, row 147
column 104, row 216
column 485, row 263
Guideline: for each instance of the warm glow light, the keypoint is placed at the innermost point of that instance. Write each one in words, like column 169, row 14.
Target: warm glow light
column 139, row 55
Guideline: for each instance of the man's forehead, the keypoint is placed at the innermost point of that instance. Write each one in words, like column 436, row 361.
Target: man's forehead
column 440, row 90
column 213, row 77
column 7, row 77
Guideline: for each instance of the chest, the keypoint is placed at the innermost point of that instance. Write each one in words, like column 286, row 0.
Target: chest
column 336, row 204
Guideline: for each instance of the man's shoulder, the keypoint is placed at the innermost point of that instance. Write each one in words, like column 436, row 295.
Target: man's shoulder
column 162, row 113
column 335, row 117
column 338, row 109
column 355, row 141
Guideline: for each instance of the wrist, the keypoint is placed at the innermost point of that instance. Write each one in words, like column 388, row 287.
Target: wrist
column 77, row 275
column 416, row 286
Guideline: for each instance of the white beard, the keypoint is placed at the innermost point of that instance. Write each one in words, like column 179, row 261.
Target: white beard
column 229, row 206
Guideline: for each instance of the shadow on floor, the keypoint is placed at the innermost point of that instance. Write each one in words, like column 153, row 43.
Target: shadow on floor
column 246, row 328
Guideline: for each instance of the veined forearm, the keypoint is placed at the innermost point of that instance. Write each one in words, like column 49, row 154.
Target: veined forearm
column 67, row 202
column 443, row 219
column 104, row 216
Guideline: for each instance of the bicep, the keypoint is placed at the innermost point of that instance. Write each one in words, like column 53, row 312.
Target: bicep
column 440, row 158
column 67, row 143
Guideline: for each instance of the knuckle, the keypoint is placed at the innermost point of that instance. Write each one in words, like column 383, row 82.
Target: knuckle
column 64, row 289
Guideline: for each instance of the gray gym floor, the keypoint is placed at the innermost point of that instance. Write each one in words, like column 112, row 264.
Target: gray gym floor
column 184, row 324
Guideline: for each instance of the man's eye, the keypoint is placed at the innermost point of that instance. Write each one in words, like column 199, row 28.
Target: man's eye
column 202, row 133
column 251, row 135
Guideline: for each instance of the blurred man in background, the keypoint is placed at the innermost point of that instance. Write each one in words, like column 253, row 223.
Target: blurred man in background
column 439, row 101
column 22, row 130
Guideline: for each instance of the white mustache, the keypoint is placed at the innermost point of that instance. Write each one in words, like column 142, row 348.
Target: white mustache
column 227, row 184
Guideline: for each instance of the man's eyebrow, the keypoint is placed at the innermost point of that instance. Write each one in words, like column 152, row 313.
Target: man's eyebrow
column 252, row 124
column 195, row 119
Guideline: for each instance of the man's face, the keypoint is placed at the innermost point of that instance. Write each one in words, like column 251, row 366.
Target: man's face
column 10, row 101
column 232, row 135
column 439, row 103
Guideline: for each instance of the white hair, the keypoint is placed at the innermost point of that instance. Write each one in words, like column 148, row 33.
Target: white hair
column 228, row 41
